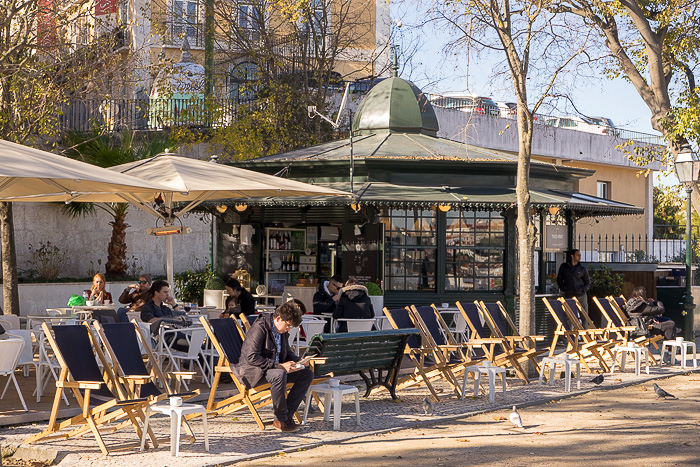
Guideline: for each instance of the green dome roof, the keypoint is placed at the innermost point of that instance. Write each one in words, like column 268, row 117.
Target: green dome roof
column 395, row 105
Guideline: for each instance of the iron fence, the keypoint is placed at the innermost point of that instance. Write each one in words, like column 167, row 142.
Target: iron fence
column 636, row 248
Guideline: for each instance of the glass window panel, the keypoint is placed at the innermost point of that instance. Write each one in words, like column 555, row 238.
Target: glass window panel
column 474, row 251
column 410, row 249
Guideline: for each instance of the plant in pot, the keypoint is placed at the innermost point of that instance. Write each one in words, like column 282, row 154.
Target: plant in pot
column 377, row 296
column 190, row 284
column 214, row 292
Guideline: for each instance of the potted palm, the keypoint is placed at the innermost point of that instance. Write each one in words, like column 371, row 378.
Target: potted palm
column 376, row 295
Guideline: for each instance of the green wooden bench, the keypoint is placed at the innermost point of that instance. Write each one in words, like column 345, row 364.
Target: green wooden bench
column 375, row 355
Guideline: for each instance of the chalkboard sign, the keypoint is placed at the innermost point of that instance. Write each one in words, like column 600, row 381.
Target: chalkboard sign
column 361, row 252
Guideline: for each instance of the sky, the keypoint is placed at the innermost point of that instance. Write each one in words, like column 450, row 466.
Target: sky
column 432, row 71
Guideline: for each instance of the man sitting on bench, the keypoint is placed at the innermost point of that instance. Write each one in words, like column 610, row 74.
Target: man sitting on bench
column 267, row 357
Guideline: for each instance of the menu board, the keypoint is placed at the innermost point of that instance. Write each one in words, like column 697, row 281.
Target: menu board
column 361, row 254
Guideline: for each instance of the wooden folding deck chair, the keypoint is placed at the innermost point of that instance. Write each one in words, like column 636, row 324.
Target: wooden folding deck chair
column 449, row 356
column 615, row 315
column 227, row 338
column 121, row 341
column 497, row 349
column 103, row 400
column 523, row 346
column 247, row 321
column 603, row 336
column 426, row 367
column 585, row 351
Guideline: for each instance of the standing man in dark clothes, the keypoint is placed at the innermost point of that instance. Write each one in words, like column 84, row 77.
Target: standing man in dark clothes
column 267, row 357
column 573, row 279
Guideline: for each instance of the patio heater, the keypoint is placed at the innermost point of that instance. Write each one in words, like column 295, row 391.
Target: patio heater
column 687, row 169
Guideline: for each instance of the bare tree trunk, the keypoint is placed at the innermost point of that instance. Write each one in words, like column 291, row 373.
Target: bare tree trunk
column 525, row 226
column 10, row 291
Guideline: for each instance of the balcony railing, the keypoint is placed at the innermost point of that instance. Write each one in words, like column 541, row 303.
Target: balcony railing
column 147, row 114
column 177, row 30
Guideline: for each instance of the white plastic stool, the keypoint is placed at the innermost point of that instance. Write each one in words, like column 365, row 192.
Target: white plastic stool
column 492, row 371
column 176, row 414
column 684, row 346
column 634, row 349
column 567, row 362
column 337, row 393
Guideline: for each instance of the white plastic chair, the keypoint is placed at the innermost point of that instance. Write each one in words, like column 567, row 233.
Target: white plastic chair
column 195, row 339
column 358, row 324
column 459, row 328
column 9, row 322
column 10, row 352
column 27, row 358
column 310, row 327
column 294, row 339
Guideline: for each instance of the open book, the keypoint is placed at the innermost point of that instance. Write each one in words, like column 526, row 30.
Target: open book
column 301, row 363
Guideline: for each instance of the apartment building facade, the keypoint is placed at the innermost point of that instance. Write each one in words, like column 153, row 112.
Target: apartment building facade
column 345, row 39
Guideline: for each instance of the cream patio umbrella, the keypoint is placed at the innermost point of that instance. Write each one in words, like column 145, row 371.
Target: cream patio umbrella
column 193, row 181
column 28, row 173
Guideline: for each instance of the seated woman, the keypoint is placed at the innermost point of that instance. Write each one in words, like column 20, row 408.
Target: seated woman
column 133, row 296
column 650, row 311
column 354, row 303
column 97, row 293
column 239, row 300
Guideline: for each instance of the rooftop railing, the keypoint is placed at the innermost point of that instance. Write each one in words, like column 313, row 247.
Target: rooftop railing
column 465, row 105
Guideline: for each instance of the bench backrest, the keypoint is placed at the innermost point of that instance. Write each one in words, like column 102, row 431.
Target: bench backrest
column 351, row 352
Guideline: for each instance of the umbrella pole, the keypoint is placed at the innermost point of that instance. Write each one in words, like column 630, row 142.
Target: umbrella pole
column 169, row 261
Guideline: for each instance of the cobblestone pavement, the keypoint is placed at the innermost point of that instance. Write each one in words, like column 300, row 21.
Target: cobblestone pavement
column 236, row 437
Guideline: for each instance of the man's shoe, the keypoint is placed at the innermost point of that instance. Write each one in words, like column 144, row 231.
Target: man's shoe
column 291, row 422
column 284, row 426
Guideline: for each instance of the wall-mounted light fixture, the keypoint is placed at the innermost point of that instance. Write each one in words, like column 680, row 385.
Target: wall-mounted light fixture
column 355, row 207
column 444, row 207
column 358, row 230
column 221, row 208
column 240, row 207
column 554, row 210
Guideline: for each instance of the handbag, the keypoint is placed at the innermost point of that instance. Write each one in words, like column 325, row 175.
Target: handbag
column 641, row 328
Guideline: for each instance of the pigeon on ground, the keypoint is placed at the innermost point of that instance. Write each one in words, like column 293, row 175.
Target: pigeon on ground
column 661, row 393
column 514, row 417
column 598, row 379
column 427, row 406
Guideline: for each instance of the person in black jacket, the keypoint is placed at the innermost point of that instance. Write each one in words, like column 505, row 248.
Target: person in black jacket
column 327, row 296
column 650, row 311
column 573, row 279
column 267, row 357
column 354, row 303
column 239, row 300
